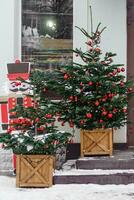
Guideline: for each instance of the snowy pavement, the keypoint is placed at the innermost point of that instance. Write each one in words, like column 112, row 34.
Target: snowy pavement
column 8, row 191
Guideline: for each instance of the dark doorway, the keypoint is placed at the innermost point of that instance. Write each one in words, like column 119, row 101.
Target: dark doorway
column 130, row 69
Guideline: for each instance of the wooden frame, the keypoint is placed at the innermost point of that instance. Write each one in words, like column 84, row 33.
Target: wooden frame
column 96, row 142
column 34, row 170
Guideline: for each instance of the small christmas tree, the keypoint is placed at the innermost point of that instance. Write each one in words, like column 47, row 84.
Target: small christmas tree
column 95, row 93
column 33, row 130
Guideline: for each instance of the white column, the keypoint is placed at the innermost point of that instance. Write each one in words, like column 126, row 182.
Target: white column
column 10, row 38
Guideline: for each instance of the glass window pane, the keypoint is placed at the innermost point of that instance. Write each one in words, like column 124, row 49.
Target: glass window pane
column 47, row 35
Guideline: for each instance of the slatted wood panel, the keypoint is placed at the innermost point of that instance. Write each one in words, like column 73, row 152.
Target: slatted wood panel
column 34, row 171
column 96, row 142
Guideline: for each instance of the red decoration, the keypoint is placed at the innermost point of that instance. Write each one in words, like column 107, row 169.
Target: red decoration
column 110, row 115
column 104, row 113
column 71, row 98
column 124, row 110
column 97, row 50
column 71, row 124
column 89, row 115
column 101, row 121
column 48, row 116
column 81, row 122
column 97, row 103
column 37, row 119
column 90, row 83
column 66, row 76
column 63, row 124
column 122, row 69
column 118, row 70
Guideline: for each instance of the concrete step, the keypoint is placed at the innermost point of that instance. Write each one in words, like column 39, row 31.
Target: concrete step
column 94, row 177
column 105, row 164
column 119, row 160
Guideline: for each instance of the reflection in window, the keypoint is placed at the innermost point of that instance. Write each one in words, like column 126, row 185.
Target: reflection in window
column 47, row 32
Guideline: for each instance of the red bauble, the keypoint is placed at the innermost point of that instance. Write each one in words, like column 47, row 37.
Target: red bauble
column 48, row 116
column 63, row 124
column 37, row 119
column 122, row 69
column 114, row 110
column 90, row 83
column 101, row 121
column 110, row 115
column 118, row 70
column 71, row 124
column 97, row 103
column 66, row 76
column 130, row 89
column 97, row 50
column 81, row 122
column 89, row 115
column 124, row 110
column 104, row 113
column 110, row 95
column 71, row 98
column 122, row 84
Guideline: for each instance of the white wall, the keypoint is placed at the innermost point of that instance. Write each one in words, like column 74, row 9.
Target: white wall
column 9, row 38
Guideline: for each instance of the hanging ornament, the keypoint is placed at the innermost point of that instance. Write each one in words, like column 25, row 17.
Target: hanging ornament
column 97, row 50
column 118, row 70
column 124, row 109
column 81, row 122
column 110, row 115
column 97, row 103
column 89, row 115
column 48, row 116
column 66, row 76
column 63, row 124
column 71, row 124
column 104, row 113
column 71, row 98
column 100, row 120
column 122, row 69
column 90, row 83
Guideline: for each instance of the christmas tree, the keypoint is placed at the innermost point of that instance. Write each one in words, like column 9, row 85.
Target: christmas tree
column 32, row 129
column 94, row 94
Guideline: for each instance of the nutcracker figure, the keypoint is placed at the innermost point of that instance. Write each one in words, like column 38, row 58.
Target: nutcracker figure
column 16, row 95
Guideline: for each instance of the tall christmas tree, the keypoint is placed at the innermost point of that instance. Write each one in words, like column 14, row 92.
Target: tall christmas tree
column 94, row 94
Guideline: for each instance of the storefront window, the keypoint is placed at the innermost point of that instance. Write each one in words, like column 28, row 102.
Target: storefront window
column 47, row 33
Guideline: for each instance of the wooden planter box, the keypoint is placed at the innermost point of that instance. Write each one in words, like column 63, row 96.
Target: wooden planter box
column 96, row 142
column 34, row 170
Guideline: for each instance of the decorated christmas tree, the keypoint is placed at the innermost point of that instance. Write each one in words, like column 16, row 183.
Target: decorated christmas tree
column 32, row 129
column 95, row 92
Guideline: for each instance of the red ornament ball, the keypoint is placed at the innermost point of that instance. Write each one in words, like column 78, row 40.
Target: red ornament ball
column 97, row 50
column 97, row 103
column 48, row 116
column 122, row 69
column 66, row 76
column 89, row 115
column 110, row 115
column 104, row 113
column 90, row 83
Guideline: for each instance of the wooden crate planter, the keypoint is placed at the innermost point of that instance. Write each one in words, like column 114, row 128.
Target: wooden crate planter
column 96, row 142
column 34, row 171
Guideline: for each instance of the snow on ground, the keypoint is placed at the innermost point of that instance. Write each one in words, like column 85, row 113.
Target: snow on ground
column 8, row 191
